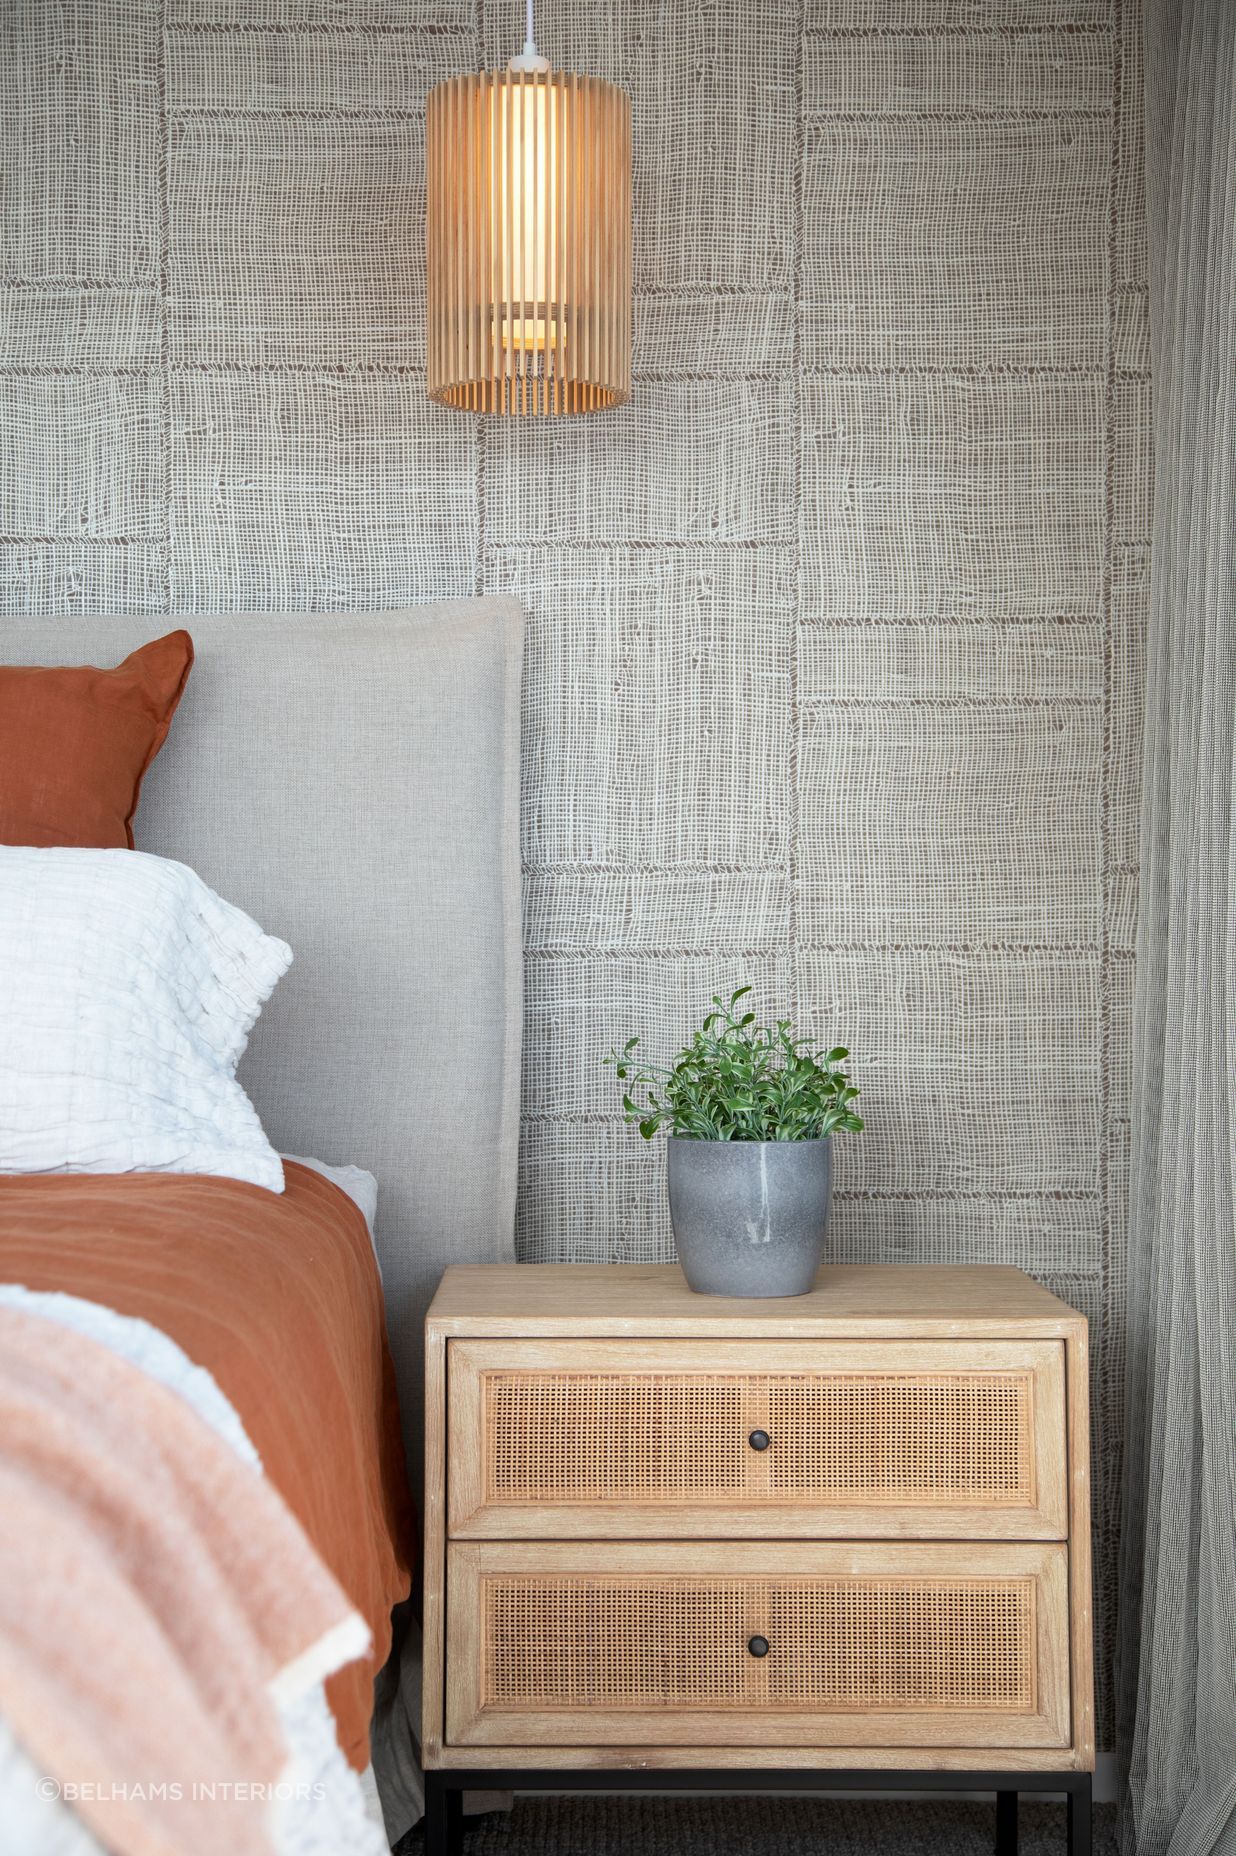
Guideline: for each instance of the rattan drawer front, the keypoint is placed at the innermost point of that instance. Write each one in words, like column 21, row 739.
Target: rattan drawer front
column 930, row 1439
column 561, row 1644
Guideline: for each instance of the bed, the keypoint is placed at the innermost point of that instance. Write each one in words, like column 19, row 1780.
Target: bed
column 352, row 783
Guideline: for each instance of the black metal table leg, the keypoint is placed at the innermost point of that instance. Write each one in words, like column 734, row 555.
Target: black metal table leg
column 1006, row 1824
column 1080, row 1792
column 437, row 1834
column 443, row 1816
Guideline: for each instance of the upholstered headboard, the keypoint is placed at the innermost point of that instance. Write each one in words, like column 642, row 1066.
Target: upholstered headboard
column 353, row 782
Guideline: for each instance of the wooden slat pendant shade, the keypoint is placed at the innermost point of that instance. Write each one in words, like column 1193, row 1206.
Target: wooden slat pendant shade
column 528, row 243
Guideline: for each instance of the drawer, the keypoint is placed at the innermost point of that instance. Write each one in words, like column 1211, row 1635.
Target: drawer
column 642, row 1644
column 613, row 1439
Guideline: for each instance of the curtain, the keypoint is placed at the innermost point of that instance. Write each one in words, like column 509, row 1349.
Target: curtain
column 1177, row 1661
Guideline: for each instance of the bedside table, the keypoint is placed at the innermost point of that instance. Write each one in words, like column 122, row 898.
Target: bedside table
column 678, row 1542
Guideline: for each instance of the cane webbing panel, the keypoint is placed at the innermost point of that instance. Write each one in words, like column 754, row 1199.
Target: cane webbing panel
column 629, row 1643
column 903, row 1644
column 839, row 1437
column 587, row 1437
column 834, row 1643
column 890, row 1438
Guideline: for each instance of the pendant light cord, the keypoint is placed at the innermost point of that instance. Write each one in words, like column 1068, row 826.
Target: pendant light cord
column 530, row 58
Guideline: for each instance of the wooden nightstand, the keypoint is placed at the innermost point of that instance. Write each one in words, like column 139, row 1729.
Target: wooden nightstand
column 837, row 1542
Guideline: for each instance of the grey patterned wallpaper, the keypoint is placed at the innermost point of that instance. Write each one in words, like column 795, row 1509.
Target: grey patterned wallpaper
column 834, row 665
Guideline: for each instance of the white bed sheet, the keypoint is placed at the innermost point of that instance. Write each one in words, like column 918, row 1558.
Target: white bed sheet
column 361, row 1187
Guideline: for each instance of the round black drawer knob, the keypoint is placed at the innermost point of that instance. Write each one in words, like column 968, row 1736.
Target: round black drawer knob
column 759, row 1440
column 758, row 1646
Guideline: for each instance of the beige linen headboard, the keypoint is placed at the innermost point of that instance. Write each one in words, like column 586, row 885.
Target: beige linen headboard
column 354, row 783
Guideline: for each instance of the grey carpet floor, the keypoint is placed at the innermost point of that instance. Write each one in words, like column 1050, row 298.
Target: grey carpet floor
column 762, row 1827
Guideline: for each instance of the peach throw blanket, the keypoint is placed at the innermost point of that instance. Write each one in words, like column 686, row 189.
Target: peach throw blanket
column 277, row 1296
column 156, row 1595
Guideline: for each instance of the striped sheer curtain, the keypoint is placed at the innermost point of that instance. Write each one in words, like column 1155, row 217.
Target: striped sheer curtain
column 1177, row 1674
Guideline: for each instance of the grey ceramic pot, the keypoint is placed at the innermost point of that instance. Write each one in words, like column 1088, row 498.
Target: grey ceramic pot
column 749, row 1217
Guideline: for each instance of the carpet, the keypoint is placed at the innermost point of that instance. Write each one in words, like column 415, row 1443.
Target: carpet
column 762, row 1827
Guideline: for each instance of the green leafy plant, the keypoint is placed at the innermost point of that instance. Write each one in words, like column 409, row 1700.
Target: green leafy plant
column 739, row 1081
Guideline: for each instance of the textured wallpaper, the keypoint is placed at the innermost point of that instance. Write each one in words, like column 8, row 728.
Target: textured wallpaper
column 834, row 664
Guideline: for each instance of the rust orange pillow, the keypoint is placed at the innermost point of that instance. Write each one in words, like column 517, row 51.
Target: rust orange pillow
column 75, row 743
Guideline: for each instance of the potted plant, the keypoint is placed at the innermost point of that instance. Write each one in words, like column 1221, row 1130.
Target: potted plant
column 751, row 1110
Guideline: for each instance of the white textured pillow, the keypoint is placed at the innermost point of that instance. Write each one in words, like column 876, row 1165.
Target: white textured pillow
column 128, row 990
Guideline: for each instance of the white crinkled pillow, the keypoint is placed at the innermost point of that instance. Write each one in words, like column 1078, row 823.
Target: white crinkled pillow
column 128, row 990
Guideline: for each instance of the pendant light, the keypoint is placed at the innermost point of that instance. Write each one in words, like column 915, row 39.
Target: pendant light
column 528, row 240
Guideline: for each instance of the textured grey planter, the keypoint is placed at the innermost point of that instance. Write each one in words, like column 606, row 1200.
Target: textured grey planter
column 749, row 1217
